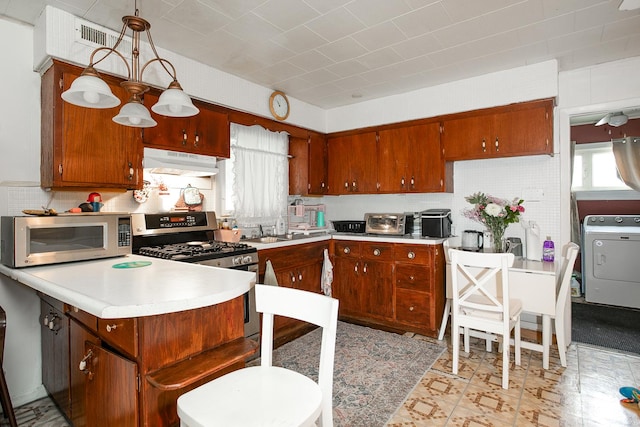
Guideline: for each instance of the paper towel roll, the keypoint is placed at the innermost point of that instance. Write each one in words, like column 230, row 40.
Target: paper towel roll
column 532, row 237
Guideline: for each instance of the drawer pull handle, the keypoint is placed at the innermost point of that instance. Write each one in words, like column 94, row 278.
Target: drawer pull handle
column 347, row 250
column 111, row 327
column 411, row 255
column 411, row 308
column 412, row 278
column 376, row 252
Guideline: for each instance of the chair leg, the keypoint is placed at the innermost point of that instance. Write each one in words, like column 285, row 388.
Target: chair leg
column 466, row 340
column 562, row 346
column 455, row 344
column 505, row 365
column 517, row 342
column 445, row 318
column 7, row 408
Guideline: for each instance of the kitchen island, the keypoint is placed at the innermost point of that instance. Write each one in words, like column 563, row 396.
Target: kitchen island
column 123, row 337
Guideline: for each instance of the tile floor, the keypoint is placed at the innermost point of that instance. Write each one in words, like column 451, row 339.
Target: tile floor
column 584, row 394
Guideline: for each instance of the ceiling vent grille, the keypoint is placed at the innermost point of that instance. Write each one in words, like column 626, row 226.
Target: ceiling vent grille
column 90, row 35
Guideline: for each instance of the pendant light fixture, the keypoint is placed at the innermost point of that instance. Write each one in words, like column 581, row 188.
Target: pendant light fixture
column 90, row 91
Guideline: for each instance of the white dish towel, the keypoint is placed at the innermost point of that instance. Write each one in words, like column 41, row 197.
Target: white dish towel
column 270, row 275
column 327, row 274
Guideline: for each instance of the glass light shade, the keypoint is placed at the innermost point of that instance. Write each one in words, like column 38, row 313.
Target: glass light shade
column 134, row 114
column 91, row 92
column 175, row 103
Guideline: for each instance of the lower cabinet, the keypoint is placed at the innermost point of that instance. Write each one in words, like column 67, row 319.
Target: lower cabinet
column 394, row 285
column 298, row 267
column 130, row 372
column 54, row 338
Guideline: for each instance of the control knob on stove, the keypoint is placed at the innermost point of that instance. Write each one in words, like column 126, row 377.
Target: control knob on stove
column 247, row 259
column 237, row 260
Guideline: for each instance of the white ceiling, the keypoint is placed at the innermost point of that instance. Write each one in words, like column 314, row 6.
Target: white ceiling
column 336, row 52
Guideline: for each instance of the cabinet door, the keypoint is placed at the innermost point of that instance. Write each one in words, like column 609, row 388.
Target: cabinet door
column 523, row 132
column 467, row 138
column 78, row 337
column 55, row 355
column 347, row 285
column 352, row 164
column 377, row 288
column 205, row 133
column 298, row 166
column 317, row 164
column 111, row 389
column 338, row 167
column 410, row 159
column 363, row 163
column 83, row 147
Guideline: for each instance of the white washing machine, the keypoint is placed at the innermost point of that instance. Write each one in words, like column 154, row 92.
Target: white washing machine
column 611, row 259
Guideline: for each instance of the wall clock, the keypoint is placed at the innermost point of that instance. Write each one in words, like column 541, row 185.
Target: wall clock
column 279, row 105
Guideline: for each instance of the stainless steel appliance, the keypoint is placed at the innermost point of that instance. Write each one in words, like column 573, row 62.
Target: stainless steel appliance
column 436, row 223
column 611, row 260
column 472, row 240
column 39, row 240
column 396, row 224
column 188, row 237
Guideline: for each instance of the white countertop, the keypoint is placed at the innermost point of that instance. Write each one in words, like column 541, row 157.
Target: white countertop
column 162, row 287
column 347, row 236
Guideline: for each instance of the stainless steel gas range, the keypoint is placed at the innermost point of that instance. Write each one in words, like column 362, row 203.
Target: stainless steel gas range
column 188, row 237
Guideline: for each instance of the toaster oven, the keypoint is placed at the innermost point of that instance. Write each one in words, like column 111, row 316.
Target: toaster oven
column 394, row 224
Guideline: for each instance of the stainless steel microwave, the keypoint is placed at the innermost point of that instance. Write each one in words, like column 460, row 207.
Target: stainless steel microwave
column 29, row 241
column 395, row 224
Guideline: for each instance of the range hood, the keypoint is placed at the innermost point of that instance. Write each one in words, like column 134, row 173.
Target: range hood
column 177, row 163
column 627, row 154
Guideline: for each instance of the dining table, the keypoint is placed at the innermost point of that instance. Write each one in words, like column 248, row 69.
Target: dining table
column 534, row 283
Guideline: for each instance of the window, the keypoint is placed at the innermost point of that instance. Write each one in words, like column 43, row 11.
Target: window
column 253, row 184
column 594, row 168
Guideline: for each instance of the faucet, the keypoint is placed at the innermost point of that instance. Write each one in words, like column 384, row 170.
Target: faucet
column 261, row 231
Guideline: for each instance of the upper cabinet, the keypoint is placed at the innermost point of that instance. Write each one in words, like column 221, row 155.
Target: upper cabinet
column 83, row 147
column 205, row 133
column 410, row 160
column 308, row 165
column 352, row 166
column 514, row 130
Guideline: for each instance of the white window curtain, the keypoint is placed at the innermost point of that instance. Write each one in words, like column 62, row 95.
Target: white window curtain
column 260, row 173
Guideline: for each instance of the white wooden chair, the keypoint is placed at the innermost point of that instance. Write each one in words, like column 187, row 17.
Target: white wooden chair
column 563, row 301
column 477, row 305
column 270, row 395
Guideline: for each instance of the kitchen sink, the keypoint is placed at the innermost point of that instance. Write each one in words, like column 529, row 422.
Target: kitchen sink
column 266, row 239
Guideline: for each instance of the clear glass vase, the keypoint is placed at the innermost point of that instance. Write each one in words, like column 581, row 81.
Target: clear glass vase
column 498, row 242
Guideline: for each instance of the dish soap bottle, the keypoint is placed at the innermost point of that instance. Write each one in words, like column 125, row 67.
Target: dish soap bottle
column 548, row 250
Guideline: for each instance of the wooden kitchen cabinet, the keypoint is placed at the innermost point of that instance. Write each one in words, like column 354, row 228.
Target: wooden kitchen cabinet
column 78, row 338
column 410, row 160
column 207, row 133
column 396, row 286
column 83, row 147
column 363, row 279
column 298, row 267
column 514, row 130
column 352, row 164
column 55, row 353
column 136, row 368
column 419, row 287
column 308, row 165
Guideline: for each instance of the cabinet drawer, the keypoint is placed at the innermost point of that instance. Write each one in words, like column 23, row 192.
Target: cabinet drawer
column 413, row 277
column 413, row 307
column 88, row 320
column 377, row 251
column 414, row 254
column 120, row 333
column 347, row 248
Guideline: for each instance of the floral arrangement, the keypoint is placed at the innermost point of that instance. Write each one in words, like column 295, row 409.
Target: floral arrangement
column 495, row 213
